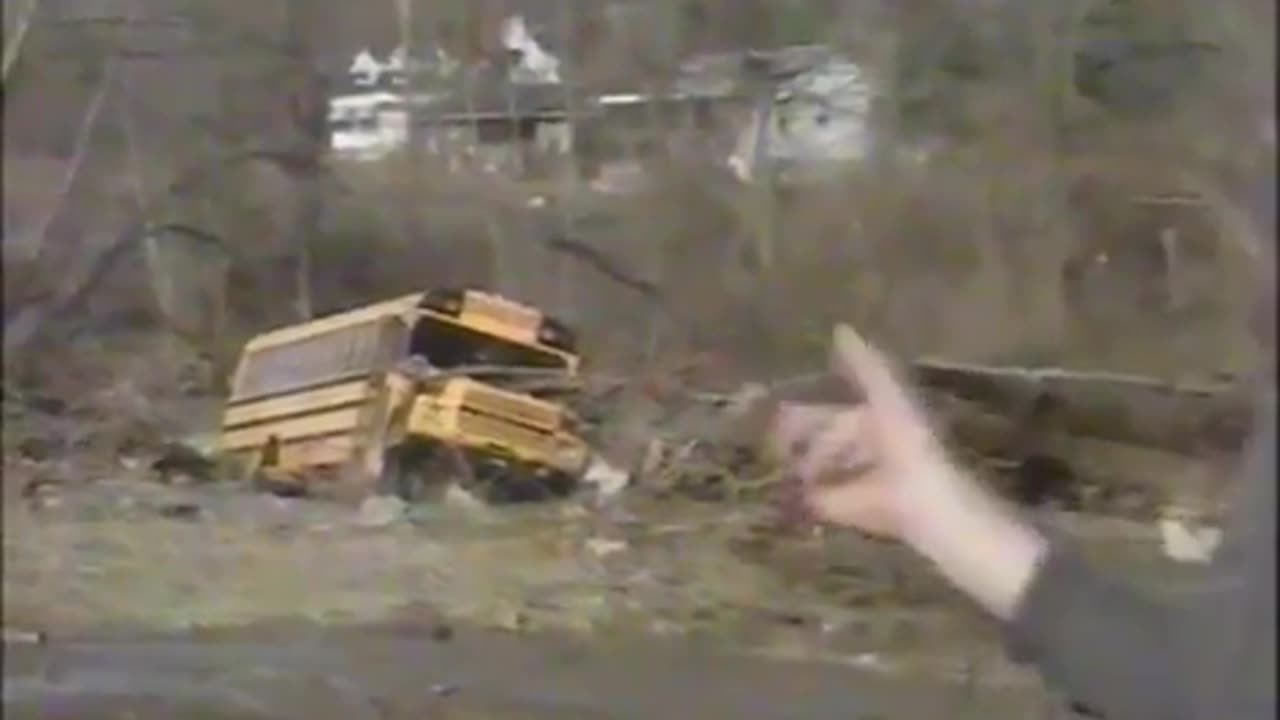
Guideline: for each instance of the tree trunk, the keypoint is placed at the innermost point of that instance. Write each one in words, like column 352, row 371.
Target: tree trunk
column 565, row 296
column 304, row 228
column 309, row 115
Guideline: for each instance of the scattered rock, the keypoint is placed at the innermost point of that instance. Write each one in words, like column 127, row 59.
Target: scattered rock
column 703, row 614
column 42, row 493
column 180, row 511
column 603, row 547
column 37, row 487
column 665, row 628
column 46, row 404
column 36, row 449
column 790, row 618
column 181, row 464
column 511, row 620
column 380, row 511
column 442, row 633
column 870, row 661
column 1083, row 710
column 456, row 496
column 14, row 636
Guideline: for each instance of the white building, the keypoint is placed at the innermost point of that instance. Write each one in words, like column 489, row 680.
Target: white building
column 367, row 126
column 371, row 117
column 818, row 117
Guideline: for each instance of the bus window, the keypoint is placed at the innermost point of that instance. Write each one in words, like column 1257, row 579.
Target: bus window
column 330, row 355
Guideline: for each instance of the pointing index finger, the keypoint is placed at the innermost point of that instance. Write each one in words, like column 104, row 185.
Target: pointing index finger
column 867, row 370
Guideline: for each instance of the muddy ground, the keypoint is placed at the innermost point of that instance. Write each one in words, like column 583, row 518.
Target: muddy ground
column 129, row 598
column 639, row 608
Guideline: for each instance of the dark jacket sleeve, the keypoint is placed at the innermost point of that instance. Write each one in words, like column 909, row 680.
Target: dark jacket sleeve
column 1127, row 656
column 1106, row 647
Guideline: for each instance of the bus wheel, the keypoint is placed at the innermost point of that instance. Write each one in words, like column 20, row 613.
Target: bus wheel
column 410, row 469
column 283, row 489
column 520, row 483
column 271, row 481
column 268, row 478
column 561, row 484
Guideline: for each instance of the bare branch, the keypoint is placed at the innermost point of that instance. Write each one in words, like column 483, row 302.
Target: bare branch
column 34, row 241
column 13, row 47
column 88, row 270
column 606, row 266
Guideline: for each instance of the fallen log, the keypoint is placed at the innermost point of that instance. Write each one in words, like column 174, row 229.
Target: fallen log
column 1184, row 418
column 1176, row 417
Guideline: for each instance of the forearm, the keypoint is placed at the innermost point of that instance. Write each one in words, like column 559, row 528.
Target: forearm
column 979, row 543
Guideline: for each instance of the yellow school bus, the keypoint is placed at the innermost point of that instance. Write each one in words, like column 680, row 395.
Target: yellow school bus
column 381, row 394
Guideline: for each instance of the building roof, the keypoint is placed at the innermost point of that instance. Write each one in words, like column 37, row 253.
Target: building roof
column 715, row 75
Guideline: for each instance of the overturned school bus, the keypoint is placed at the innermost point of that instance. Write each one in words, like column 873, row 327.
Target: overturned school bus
column 396, row 395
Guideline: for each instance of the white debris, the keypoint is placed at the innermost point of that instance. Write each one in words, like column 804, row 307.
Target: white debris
column 456, row 496
column 380, row 511
column 870, row 661
column 745, row 399
column 603, row 547
column 1185, row 541
column 205, row 444
column 655, row 453
column 14, row 636
column 608, row 479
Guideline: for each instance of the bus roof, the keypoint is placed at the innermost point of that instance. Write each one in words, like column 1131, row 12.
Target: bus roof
column 400, row 306
column 336, row 321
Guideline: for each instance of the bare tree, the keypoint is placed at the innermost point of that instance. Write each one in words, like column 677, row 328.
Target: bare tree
column 308, row 112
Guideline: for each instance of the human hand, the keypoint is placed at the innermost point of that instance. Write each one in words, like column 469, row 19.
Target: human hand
column 875, row 466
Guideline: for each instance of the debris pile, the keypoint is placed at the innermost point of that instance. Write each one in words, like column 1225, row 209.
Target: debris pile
column 1090, row 442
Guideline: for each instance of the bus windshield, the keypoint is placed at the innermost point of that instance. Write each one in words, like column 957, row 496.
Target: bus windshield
column 447, row 345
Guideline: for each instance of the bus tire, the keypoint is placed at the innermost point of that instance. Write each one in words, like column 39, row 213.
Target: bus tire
column 263, row 483
column 408, row 469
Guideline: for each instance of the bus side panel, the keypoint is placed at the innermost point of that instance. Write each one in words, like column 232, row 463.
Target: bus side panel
column 311, row 452
column 295, row 429
column 370, row 439
column 341, row 395
column 318, row 397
